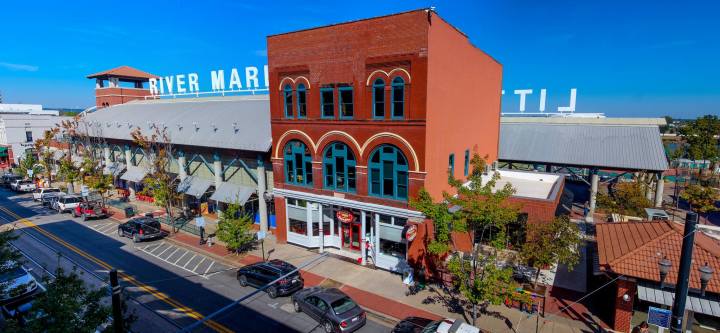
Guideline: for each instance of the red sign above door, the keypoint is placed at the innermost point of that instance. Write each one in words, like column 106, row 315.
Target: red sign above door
column 345, row 216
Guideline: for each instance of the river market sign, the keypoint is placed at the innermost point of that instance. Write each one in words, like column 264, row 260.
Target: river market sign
column 250, row 79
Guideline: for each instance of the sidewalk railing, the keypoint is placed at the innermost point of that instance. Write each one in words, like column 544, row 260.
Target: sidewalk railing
column 179, row 223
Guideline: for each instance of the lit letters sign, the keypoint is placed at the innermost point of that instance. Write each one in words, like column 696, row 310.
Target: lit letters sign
column 221, row 81
column 523, row 93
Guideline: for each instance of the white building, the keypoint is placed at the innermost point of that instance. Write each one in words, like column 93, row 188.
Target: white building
column 22, row 124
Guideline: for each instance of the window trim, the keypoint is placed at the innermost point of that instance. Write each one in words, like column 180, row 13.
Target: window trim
column 394, row 85
column 467, row 162
column 379, row 83
column 451, row 165
column 397, row 168
column 300, row 88
column 287, row 91
column 292, row 157
column 340, row 102
column 322, row 103
column 346, row 162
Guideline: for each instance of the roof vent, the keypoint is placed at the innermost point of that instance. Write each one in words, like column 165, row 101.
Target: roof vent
column 235, row 127
column 214, row 127
column 196, row 125
column 179, row 126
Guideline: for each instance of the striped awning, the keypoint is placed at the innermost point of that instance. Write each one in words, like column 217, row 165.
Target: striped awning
column 707, row 305
column 232, row 193
column 134, row 174
column 194, row 186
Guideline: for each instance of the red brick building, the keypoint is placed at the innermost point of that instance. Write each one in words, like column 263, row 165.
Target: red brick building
column 120, row 85
column 366, row 113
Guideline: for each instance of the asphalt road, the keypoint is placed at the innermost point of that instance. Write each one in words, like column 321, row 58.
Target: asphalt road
column 175, row 286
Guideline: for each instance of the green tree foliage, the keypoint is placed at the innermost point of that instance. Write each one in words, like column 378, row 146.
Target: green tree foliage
column 478, row 208
column 235, row 228
column 42, row 146
column 9, row 257
column 68, row 172
column 67, row 306
column 701, row 139
column 101, row 183
column 556, row 241
column 627, row 198
column 701, row 198
column 29, row 162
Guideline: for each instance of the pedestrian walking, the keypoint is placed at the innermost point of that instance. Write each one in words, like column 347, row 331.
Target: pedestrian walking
column 586, row 209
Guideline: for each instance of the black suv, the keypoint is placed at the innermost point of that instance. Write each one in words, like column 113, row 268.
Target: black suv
column 140, row 228
column 262, row 273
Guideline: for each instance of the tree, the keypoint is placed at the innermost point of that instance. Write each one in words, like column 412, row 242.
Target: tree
column 28, row 163
column 42, row 146
column 101, row 183
column 481, row 209
column 666, row 128
column 627, row 198
column 701, row 138
column 69, row 173
column 9, row 257
column 701, row 198
column 556, row 241
column 234, row 228
column 160, row 181
column 67, row 305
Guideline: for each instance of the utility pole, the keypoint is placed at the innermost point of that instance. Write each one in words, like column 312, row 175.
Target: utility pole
column 116, row 306
column 681, row 290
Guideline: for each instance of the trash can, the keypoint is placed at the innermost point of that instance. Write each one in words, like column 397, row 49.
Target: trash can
column 129, row 211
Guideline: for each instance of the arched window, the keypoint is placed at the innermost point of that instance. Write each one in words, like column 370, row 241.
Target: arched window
column 339, row 167
column 301, row 101
column 388, row 170
column 287, row 94
column 398, row 97
column 379, row 99
column 298, row 164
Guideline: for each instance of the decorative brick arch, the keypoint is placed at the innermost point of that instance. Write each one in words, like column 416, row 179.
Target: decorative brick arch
column 338, row 136
column 395, row 140
column 387, row 76
column 293, row 82
column 294, row 135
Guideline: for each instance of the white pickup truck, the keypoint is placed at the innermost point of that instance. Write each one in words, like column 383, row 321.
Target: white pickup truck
column 23, row 185
column 40, row 192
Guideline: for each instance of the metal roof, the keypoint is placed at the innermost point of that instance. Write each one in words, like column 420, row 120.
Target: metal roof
column 241, row 123
column 624, row 147
column 700, row 304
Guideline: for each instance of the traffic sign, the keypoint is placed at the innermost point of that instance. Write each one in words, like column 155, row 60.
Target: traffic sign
column 261, row 235
column 85, row 191
column 659, row 317
column 30, row 172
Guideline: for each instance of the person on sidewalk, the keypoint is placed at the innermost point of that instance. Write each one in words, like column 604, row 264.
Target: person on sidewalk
column 586, row 209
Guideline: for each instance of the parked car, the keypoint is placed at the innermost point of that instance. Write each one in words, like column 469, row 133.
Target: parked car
column 262, row 273
column 90, row 209
column 424, row 325
column 67, row 203
column 330, row 307
column 22, row 185
column 8, row 179
column 39, row 192
column 17, row 282
column 48, row 200
column 141, row 228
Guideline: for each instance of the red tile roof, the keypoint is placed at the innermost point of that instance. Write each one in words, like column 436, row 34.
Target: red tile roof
column 633, row 249
column 125, row 72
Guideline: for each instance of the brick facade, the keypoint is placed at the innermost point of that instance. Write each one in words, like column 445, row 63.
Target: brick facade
column 624, row 309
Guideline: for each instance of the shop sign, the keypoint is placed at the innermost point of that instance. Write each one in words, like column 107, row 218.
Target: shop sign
column 411, row 232
column 345, row 216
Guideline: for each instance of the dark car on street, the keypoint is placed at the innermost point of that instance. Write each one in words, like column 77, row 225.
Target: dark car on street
column 335, row 311
column 262, row 273
column 140, row 229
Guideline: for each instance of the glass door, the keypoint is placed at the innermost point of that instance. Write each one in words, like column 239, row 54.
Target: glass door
column 355, row 237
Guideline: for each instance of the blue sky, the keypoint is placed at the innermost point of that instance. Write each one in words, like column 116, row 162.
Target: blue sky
column 626, row 58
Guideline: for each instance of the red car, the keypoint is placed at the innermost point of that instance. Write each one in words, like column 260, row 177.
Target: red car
column 90, row 209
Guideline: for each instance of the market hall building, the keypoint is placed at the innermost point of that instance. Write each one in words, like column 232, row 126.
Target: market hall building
column 366, row 113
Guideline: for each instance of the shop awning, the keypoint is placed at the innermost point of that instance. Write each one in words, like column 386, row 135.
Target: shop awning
column 194, row 186
column 707, row 305
column 3, row 151
column 134, row 174
column 114, row 169
column 232, row 193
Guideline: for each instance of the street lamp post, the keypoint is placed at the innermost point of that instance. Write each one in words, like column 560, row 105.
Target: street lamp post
column 706, row 273
column 664, row 265
column 681, row 290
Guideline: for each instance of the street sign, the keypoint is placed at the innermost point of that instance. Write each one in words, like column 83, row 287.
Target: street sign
column 85, row 191
column 261, row 235
column 659, row 317
column 200, row 221
column 30, row 172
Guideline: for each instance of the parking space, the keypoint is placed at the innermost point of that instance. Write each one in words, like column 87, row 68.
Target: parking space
column 190, row 261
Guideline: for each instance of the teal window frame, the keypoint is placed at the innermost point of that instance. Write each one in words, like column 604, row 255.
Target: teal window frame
column 378, row 90
column 338, row 155
column 451, row 165
column 323, row 103
column 301, row 95
column 342, row 104
column 467, row 162
column 388, row 167
column 398, row 84
column 288, row 97
column 297, row 152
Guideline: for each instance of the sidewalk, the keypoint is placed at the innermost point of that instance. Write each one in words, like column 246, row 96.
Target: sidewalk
column 383, row 293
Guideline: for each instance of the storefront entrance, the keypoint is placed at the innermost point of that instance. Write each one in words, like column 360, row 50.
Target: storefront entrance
column 351, row 236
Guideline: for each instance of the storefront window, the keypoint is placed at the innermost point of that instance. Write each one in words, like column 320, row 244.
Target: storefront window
column 394, row 249
column 297, row 202
column 388, row 173
column 298, row 227
column 391, row 240
column 339, row 167
column 316, row 228
column 298, row 164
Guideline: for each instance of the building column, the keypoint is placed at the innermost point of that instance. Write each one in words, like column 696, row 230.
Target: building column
column 217, row 170
column 377, row 237
column 281, row 230
column 659, row 187
column 182, row 161
column 594, row 180
column 128, row 156
column 308, row 220
column 320, row 226
column 363, row 252
column 624, row 309
column 262, row 205
column 106, row 155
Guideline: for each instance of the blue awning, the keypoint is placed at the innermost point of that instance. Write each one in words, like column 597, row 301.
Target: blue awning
column 232, row 193
column 194, row 186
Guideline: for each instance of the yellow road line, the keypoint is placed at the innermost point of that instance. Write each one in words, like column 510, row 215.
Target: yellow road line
column 159, row 295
